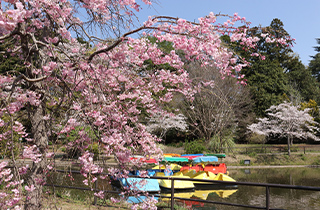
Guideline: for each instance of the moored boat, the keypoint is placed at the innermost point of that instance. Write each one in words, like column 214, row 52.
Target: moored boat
column 206, row 163
column 140, row 184
column 217, row 155
column 204, row 175
column 173, row 167
column 207, row 175
column 178, row 184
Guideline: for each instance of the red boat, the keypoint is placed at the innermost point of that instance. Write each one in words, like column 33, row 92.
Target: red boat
column 214, row 168
column 143, row 159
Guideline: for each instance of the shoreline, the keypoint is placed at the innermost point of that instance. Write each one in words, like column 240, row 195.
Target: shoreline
column 274, row 166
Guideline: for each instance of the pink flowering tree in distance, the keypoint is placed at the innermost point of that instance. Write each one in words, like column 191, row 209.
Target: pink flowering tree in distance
column 286, row 120
column 82, row 67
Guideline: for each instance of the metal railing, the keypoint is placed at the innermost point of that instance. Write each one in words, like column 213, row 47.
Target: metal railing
column 172, row 197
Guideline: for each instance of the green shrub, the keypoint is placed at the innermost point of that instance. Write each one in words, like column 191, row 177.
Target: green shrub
column 252, row 154
column 316, row 161
column 94, row 148
column 194, row 147
column 220, row 144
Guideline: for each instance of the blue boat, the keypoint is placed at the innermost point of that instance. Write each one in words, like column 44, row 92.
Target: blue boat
column 140, row 184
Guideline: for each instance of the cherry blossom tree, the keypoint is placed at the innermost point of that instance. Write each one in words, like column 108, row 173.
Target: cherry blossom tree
column 162, row 124
column 286, row 120
column 101, row 84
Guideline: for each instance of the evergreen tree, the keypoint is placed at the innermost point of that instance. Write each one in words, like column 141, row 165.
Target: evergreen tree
column 314, row 66
column 280, row 73
column 266, row 78
column 302, row 79
column 267, row 84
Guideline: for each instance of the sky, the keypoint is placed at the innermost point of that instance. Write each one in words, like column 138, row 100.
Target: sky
column 301, row 18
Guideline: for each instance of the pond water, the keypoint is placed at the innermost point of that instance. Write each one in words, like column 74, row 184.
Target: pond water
column 279, row 198
column 246, row 195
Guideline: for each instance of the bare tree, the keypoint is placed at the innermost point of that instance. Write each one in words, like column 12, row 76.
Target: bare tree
column 217, row 107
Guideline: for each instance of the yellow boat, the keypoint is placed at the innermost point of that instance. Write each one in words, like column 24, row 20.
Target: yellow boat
column 223, row 177
column 207, row 175
column 171, row 155
column 172, row 166
column 178, row 184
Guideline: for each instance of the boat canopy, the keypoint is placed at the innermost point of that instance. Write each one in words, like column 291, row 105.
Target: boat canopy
column 205, row 159
column 217, row 155
column 175, row 159
column 185, row 155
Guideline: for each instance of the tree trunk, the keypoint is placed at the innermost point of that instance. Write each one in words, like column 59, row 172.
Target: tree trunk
column 36, row 175
column 289, row 143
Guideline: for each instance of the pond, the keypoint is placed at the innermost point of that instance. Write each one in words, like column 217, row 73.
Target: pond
column 279, row 198
column 245, row 195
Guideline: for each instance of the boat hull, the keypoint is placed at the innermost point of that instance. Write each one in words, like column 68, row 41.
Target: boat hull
column 206, row 175
column 178, row 184
column 214, row 168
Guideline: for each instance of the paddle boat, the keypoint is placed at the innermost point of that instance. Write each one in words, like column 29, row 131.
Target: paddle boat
column 137, row 183
column 178, row 184
column 191, row 156
column 173, row 167
column 217, row 155
column 143, row 159
column 207, row 175
column 140, row 184
column 204, row 163
column 171, row 155
column 171, row 163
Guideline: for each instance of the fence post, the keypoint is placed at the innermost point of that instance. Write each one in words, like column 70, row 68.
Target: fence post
column 95, row 197
column 267, row 197
column 304, row 150
column 172, row 193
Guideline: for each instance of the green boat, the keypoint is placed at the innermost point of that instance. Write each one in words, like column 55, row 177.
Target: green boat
column 217, row 155
column 175, row 159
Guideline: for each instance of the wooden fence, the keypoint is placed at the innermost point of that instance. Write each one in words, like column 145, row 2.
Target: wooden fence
column 273, row 149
